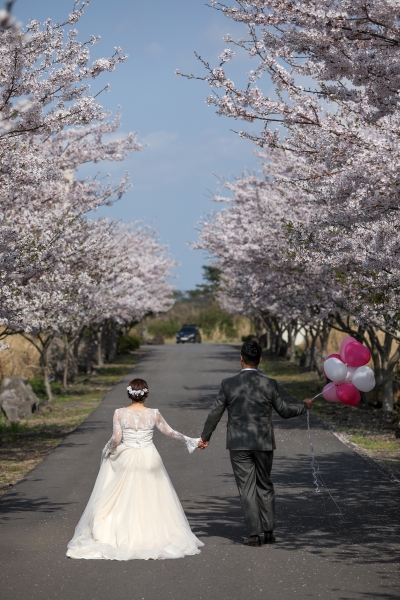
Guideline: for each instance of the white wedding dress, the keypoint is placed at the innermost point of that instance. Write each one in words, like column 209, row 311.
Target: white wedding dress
column 134, row 511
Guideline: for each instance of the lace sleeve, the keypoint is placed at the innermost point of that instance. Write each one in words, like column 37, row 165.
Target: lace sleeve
column 115, row 438
column 162, row 425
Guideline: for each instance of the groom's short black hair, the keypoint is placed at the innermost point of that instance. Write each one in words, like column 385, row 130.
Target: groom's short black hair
column 251, row 353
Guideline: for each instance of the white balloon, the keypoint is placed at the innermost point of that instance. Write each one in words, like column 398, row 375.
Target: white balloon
column 335, row 369
column 350, row 373
column 364, row 379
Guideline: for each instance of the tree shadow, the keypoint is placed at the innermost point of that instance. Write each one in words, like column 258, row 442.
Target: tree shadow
column 204, row 399
column 353, row 517
column 217, row 517
column 14, row 502
column 355, row 514
column 374, row 595
column 227, row 353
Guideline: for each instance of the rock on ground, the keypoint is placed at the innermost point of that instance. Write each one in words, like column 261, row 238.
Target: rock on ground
column 17, row 399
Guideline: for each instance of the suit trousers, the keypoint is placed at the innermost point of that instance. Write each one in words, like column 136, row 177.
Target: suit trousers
column 252, row 470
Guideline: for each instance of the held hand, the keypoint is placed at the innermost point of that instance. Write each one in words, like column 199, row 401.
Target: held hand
column 309, row 402
column 202, row 445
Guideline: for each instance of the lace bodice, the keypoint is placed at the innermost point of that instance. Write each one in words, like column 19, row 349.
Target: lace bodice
column 136, row 430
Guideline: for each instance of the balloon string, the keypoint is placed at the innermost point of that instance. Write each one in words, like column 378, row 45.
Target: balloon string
column 315, row 469
column 314, row 463
column 318, row 395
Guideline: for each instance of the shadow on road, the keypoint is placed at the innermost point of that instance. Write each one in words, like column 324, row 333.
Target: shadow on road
column 346, row 521
column 374, row 595
column 217, row 517
column 15, row 502
column 204, row 399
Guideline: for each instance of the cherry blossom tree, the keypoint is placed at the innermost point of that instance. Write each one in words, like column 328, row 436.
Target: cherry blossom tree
column 253, row 242
column 50, row 124
column 336, row 78
column 61, row 272
column 104, row 272
column 248, row 239
column 135, row 285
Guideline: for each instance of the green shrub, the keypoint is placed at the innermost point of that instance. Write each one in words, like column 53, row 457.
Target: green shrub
column 56, row 387
column 211, row 318
column 12, row 427
column 37, row 385
column 127, row 343
column 167, row 329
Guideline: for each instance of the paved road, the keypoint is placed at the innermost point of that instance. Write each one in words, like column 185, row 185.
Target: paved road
column 341, row 544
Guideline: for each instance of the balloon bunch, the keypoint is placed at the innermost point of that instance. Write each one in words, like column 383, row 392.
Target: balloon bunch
column 348, row 373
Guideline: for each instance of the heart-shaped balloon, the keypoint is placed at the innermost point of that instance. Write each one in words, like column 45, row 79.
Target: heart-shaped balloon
column 356, row 355
column 335, row 369
column 348, row 394
column 347, row 340
column 330, row 392
column 332, row 356
column 350, row 374
column 364, row 379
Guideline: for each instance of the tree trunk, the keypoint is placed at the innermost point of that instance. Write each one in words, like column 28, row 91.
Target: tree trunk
column 46, row 369
column 268, row 340
column 43, row 346
column 311, row 364
column 142, row 330
column 66, row 367
column 314, row 332
column 291, row 343
column 111, row 333
column 258, row 326
column 304, row 355
column 293, row 330
column 387, row 389
column 376, row 359
column 324, row 337
column 66, row 362
column 278, row 339
column 100, row 362
column 278, row 332
column 270, row 334
column 384, row 364
column 47, row 386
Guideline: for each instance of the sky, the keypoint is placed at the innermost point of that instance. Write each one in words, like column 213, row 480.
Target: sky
column 187, row 146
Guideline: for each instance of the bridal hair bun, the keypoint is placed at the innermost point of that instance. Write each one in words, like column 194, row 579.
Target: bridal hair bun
column 138, row 390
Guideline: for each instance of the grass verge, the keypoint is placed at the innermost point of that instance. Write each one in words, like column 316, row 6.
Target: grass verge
column 24, row 444
column 371, row 430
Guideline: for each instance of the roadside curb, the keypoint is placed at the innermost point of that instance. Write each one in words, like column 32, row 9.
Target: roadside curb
column 392, row 476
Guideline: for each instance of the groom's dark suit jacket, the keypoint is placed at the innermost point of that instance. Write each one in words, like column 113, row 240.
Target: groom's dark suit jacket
column 249, row 397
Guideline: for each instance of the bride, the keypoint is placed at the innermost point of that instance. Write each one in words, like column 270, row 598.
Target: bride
column 134, row 511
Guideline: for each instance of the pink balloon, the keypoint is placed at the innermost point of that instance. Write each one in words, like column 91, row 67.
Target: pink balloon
column 343, row 344
column 348, row 394
column 356, row 355
column 330, row 392
column 332, row 356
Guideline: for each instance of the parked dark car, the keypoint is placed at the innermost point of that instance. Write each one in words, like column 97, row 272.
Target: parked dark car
column 189, row 332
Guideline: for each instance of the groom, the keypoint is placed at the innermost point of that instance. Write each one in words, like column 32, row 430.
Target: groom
column 249, row 398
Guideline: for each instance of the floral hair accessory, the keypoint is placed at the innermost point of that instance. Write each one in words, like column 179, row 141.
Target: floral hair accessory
column 137, row 392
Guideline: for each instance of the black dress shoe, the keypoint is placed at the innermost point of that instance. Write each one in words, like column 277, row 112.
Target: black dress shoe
column 269, row 537
column 254, row 540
